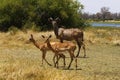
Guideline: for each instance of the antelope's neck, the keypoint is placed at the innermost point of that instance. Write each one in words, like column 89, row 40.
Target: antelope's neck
column 56, row 30
column 36, row 44
column 50, row 47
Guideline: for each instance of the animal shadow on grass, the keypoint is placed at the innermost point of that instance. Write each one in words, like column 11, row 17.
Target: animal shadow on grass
column 82, row 57
column 70, row 68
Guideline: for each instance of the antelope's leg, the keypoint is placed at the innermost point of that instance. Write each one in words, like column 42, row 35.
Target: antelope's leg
column 84, row 50
column 54, row 60
column 76, row 63
column 79, row 47
column 72, row 57
column 58, row 58
column 44, row 55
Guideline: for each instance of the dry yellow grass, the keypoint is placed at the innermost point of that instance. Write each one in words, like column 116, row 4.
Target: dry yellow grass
column 103, row 35
column 20, row 60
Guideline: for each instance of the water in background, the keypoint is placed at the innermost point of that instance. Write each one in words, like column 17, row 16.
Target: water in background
column 95, row 24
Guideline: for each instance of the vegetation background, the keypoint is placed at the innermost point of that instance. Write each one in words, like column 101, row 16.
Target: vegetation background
column 34, row 14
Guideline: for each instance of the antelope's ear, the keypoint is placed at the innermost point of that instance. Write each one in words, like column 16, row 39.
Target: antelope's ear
column 58, row 19
column 50, row 19
column 50, row 36
column 31, row 36
column 43, row 36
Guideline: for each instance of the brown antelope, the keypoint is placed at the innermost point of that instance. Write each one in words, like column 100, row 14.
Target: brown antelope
column 44, row 48
column 68, row 34
column 62, row 47
column 60, row 55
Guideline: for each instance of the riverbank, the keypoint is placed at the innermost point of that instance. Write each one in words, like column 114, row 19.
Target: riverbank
column 105, row 24
column 107, row 21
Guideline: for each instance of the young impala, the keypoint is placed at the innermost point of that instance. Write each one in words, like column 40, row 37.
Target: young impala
column 62, row 47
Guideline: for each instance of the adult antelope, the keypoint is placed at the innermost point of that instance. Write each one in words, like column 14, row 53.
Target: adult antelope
column 44, row 48
column 68, row 34
column 62, row 47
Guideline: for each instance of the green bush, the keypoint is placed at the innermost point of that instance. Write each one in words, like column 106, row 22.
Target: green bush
column 21, row 12
column 13, row 30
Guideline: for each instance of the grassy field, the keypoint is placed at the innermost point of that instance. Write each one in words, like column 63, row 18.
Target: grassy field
column 21, row 60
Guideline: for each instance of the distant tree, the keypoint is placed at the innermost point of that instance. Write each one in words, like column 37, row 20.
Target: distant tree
column 93, row 16
column 105, row 13
column 116, row 16
column 98, row 16
column 85, row 15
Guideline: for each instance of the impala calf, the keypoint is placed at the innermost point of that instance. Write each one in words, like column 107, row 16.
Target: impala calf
column 62, row 47
column 60, row 55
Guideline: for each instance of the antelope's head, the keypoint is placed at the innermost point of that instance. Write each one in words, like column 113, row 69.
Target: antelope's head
column 47, row 39
column 31, row 38
column 54, row 22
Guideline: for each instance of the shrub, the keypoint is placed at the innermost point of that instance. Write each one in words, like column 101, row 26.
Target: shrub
column 19, row 12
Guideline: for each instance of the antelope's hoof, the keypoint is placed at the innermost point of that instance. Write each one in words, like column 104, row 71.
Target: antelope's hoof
column 85, row 56
column 68, row 67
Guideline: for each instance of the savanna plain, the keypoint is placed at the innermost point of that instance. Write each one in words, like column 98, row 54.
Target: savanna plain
column 21, row 60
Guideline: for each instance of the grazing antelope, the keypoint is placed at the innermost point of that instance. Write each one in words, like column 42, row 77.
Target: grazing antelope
column 68, row 34
column 44, row 48
column 62, row 47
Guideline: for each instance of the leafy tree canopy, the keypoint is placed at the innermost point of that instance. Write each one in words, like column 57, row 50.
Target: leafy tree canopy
column 35, row 13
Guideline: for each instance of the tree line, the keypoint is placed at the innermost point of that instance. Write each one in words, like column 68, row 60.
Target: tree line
column 103, row 15
column 25, row 14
